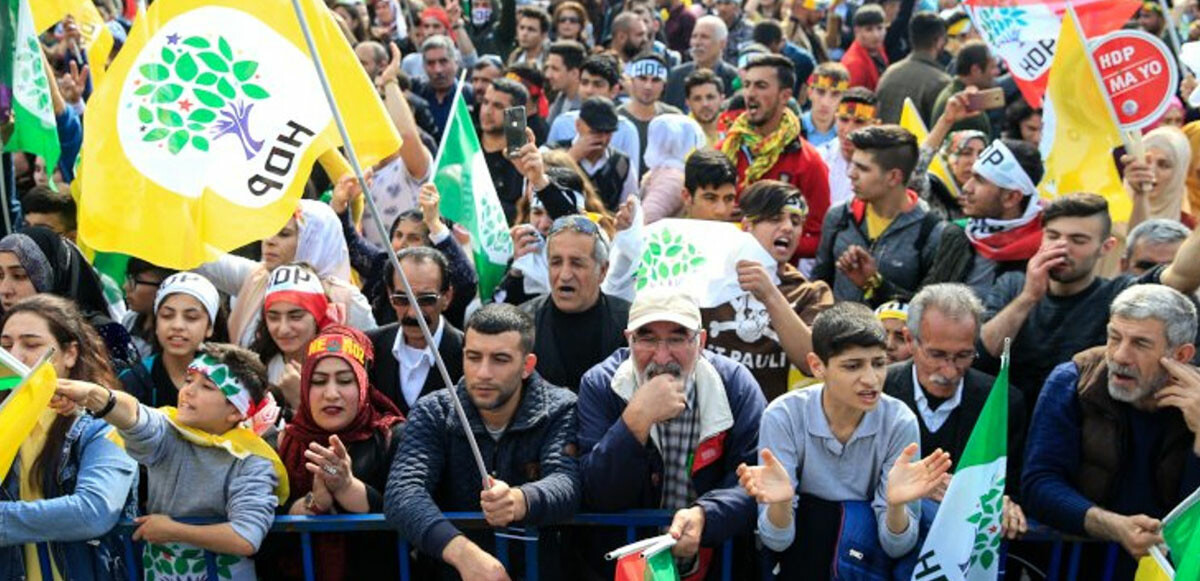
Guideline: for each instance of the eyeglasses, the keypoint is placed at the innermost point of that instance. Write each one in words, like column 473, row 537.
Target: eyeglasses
column 673, row 343
column 425, row 300
column 134, row 281
column 961, row 359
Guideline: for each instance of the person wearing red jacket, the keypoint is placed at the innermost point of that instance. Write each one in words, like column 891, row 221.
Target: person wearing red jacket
column 866, row 59
column 765, row 142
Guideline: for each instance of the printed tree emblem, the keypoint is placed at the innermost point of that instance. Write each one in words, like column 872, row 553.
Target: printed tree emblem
column 35, row 93
column 1003, row 24
column 173, row 562
column 987, row 526
column 496, row 239
column 666, row 256
column 197, row 88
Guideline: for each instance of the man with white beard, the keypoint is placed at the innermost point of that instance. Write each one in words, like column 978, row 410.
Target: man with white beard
column 1115, row 439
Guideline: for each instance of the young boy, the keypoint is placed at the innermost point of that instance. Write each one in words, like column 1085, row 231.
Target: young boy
column 709, row 186
column 844, row 440
column 201, row 464
column 829, row 81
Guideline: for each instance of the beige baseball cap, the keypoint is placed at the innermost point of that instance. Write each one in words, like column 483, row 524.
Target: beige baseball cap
column 664, row 304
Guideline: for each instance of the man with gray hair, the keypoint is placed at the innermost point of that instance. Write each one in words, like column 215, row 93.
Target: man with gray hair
column 1152, row 243
column 945, row 393
column 707, row 46
column 577, row 325
column 1115, row 438
column 440, row 58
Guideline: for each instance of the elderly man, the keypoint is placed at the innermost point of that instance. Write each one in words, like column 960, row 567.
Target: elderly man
column 1150, row 244
column 1115, row 439
column 520, row 421
column 664, row 424
column 707, row 47
column 577, row 325
column 940, row 387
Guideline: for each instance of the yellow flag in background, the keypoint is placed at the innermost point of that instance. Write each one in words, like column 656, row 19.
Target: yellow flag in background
column 19, row 411
column 205, row 132
column 910, row 119
column 97, row 38
column 1081, row 132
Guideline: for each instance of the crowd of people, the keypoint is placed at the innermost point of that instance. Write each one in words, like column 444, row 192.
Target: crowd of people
column 829, row 404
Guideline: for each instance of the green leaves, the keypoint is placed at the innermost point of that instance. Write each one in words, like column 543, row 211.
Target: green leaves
column 197, row 42
column 168, row 55
column 209, row 98
column 199, row 143
column 243, row 70
column 223, row 46
column 254, row 91
column 144, row 115
column 167, row 93
column 169, row 118
column 178, row 140
column 144, row 90
column 155, row 134
column 226, row 89
column 186, row 67
column 155, row 72
column 202, row 116
column 214, row 62
column 206, row 79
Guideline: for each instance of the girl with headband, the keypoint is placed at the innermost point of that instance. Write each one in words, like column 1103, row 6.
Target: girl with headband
column 231, row 474
column 71, row 482
column 338, row 452
column 295, row 309
column 184, row 316
column 312, row 236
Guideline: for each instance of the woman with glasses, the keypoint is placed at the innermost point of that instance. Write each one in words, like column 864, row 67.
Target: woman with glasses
column 571, row 23
column 70, row 483
column 312, row 236
column 36, row 260
column 185, row 313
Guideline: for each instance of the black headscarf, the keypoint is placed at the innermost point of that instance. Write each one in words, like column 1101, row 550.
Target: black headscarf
column 71, row 275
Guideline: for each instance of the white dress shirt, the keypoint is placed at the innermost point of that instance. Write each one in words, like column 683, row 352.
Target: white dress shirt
column 415, row 363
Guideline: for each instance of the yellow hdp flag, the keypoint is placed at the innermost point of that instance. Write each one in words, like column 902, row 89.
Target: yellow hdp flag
column 910, row 119
column 1083, row 134
column 26, row 400
column 205, row 132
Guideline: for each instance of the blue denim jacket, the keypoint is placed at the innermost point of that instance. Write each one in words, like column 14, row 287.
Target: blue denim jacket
column 94, row 488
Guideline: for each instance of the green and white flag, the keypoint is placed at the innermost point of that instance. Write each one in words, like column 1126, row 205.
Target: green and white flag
column 1181, row 530
column 964, row 541
column 469, row 197
column 34, row 127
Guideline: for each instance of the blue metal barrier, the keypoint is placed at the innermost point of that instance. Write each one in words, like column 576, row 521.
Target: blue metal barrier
column 305, row 526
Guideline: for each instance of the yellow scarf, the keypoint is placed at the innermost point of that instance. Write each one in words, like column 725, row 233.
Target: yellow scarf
column 31, row 490
column 764, row 151
column 241, row 442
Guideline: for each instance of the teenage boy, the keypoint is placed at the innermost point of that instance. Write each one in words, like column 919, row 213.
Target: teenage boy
column 710, row 186
column 232, row 475
column 830, row 80
column 839, row 442
column 767, row 329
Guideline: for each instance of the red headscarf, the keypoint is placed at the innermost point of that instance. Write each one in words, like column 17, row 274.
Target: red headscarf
column 438, row 13
column 376, row 414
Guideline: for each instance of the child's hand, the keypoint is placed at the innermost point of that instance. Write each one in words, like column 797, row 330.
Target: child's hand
column 154, row 528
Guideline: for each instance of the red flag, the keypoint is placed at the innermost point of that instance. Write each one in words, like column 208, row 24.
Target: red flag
column 1024, row 32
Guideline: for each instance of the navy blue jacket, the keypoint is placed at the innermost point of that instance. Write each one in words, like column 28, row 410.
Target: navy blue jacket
column 621, row 474
column 434, row 471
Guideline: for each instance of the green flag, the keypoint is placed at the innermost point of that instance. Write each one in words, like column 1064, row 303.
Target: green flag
column 1181, row 530
column 964, row 540
column 34, row 127
column 469, row 197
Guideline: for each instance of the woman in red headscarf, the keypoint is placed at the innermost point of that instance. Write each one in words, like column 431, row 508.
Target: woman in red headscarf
column 338, row 450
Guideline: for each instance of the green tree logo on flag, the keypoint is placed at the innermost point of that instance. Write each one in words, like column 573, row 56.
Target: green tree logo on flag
column 497, row 242
column 666, row 256
column 198, row 87
column 34, row 95
column 987, row 525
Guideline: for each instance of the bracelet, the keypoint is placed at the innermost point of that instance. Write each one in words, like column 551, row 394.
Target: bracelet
column 108, row 406
column 310, row 504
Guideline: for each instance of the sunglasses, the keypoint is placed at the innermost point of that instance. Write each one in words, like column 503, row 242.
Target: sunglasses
column 571, row 19
column 425, row 300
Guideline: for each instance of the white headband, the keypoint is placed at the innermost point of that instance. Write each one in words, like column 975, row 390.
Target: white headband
column 998, row 165
column 646, row 68
column 193, row 285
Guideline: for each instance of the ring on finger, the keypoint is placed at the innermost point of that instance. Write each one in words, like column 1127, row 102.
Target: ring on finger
column 329, row 469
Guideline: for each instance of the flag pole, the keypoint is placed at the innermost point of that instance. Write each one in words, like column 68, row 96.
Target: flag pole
column 7, row 171
column 383, row 235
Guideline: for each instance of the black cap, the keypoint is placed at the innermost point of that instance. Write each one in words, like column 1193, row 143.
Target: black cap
column 600, row 114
